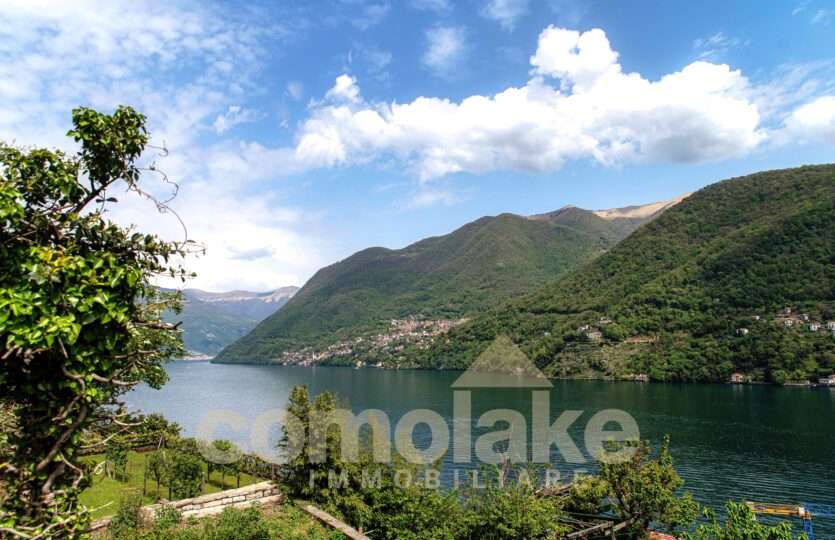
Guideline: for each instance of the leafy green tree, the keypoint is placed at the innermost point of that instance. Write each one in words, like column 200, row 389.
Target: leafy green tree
column 508, row 507
column 116, row 456
column 158, row 468
column 79, row 324
column 741, row 524
column 186, row 475
column 642, row 490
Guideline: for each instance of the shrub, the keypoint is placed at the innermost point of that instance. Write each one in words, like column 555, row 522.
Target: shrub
column 166, row 518
column 186, row 473
column 237, row 524
column 128, row 518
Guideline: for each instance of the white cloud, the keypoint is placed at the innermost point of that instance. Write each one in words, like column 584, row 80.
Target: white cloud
column 505, row 12
column 233, row 116
column 446, row 47
column 372, row 15
column 295, row 89
column 181, row 66
column 431, row 5
column 426, row 197
column 579, row 105
column 822, row 16
column 716, row 45
column 801, row 7
column 814, row 121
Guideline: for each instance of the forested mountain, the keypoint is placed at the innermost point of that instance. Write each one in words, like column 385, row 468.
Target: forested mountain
column 433, row 282
column 699, row 293
column 210, row 321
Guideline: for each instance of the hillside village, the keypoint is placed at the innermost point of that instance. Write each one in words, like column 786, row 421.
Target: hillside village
column 412, row 331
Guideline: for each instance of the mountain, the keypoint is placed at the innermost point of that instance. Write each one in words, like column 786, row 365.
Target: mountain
column 210, row 321
column 698, row 293
column 257, row 306
column 380, row 298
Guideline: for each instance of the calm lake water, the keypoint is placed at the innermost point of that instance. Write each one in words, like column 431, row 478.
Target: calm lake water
column 760, row 443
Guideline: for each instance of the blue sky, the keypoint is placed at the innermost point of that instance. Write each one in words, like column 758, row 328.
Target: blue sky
column 302, row 132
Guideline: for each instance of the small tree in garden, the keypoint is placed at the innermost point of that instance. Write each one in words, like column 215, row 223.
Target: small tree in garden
column 116, row 456
column 79, row 324
column 186, row 474
column 158, row 468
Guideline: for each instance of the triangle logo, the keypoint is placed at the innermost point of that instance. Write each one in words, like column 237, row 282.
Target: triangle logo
column 502, row 365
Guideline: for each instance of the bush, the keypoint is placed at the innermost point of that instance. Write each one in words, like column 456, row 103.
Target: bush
column 237, row 524
column 186, row 472
column 166, row 518
column 128, row 518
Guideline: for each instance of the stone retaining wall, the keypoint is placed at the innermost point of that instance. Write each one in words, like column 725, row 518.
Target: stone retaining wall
column 213, row 503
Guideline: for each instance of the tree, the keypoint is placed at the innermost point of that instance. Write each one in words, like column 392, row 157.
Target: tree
column 116, row 456
column 186, row 473
column 642, row 489
column 741, row 524
column 158, row 468
column 79, row 323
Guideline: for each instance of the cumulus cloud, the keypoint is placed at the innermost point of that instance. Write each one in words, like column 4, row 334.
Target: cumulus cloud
column 814, row 121
column 446, row 47
column 505, row 12
column 579, row 104
column 181, row 66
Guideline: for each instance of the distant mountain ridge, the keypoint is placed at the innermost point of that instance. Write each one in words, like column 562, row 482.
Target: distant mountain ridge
column 254, row 305
column 345, row 306
column 212, row 320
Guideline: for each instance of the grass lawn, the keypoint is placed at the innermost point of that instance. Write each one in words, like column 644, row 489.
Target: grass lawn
column 285, row 522
column 108, row 490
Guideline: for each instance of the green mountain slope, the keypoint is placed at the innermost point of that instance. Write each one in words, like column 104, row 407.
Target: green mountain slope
column 701, row 287
column 211, row 321
column 446, row 277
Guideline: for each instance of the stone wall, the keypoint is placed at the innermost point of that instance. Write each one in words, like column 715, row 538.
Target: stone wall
column 213, row 503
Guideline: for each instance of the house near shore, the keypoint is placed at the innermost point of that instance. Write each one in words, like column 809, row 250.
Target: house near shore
column 738, row 378
column 827, row 381
column 638, row 377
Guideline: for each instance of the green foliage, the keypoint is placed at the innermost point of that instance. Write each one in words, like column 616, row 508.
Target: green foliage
column 237, row 524
column 741, row 524
column 475, row 267
column 117, row 455
column 167, row 517
column 642, row 489
column 509, row 508
column 186, row 475
column 78, row 322
column 741, row 248
column 128, row 518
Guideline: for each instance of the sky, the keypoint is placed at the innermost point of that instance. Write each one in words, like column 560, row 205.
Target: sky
column 301, row 132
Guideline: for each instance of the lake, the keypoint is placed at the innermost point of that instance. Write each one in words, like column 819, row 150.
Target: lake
column 730, row 442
